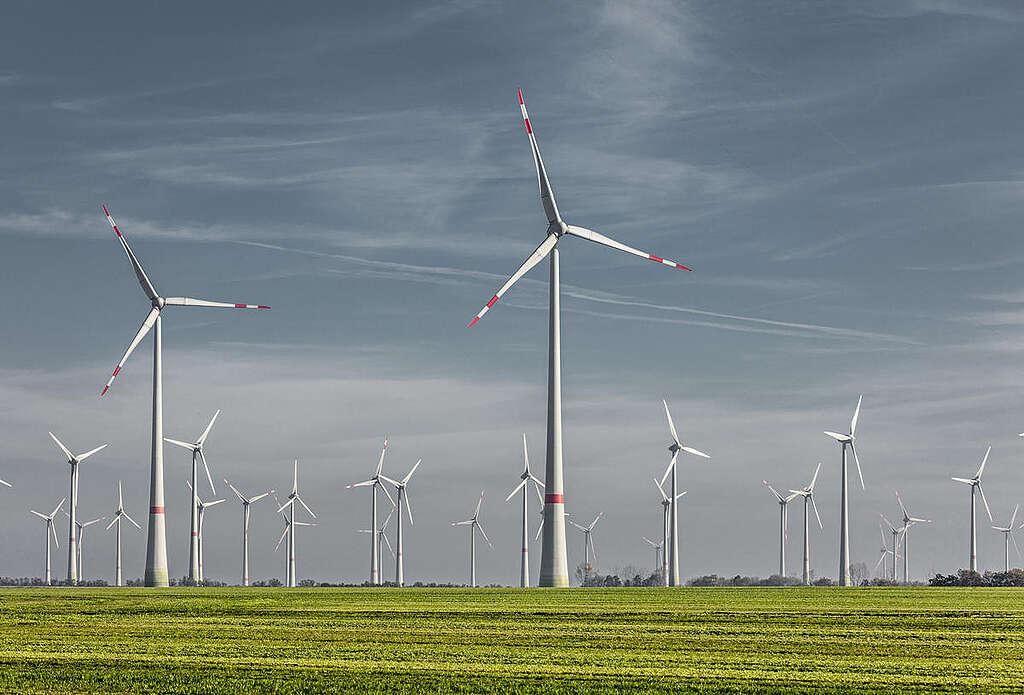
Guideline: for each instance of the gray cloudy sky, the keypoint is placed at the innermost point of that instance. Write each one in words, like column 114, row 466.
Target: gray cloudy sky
column 845, row 179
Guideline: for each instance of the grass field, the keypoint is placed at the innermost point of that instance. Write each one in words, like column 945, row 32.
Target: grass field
column 557, row 641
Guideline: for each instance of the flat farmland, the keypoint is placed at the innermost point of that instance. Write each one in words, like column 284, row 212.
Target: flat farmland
column 511, row 641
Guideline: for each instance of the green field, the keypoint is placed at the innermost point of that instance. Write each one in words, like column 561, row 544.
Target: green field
column 559, row 641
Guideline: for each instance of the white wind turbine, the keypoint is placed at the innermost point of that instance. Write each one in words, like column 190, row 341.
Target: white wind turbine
column 897, row 538
column 203, row 506
column 975, row 484
column 846, row 440
column 402, row 490
column 4, row 482
column 382, row 540
column 659, row 566
column 289, row 525
column 908, row 521
column 80, row 537
column 156, row 543
column 783, row 525
column 474, row 525
column 554, row 568
column 118, row 515
column 526, row 477
column 50, row 529
column 293, row 497
column 666, row 507
column 885, row 549
column 808, row 494
column 588, row 544
column 1007, row 532
column 197, row 453
column 246, row 502
column 73, row 461
column 674, row 448
column 375, row 482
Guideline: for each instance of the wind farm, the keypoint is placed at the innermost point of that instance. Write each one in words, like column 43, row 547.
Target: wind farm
column 837, row 188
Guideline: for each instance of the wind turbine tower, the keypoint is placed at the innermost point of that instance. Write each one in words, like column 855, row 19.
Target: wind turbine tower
column 73, row 461
column 808, row 494
column 975, row 484
column 118, row 515
column 526, row 477
column 846, row 440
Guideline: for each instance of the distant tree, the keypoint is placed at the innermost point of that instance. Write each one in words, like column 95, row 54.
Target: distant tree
column 858, row 573
column 307, row 583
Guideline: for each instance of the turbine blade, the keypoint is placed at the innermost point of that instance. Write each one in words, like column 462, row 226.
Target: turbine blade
column 147, row 286
column 295, row 477
column 237, row 493
column 774, row 491
column 691, row 450
column 815, row 508
column 388, row 544
column 116, row 519
column 1016, row 547
column 210, row 504
column 814, row 478
column 857, row 460
column 989, row 511
column 57, row 508
column 856, row 416
column 53, row 529
column 591, row 235
column 902, row 508
column 536, row 257
column 285, row 505
column 82, row 457
column 125, row 515
column 981, row 468
column 661, row 489
column 62, row 447
column 206, row 432
column 202, row 457
column 517, row 488
column 281, row 539
column 408, row 507
column 178, row 442
column 405, row 480
column 147, row 324
column 838, row 437
column 526, row 457
column 671, row 425
column 384, row 450
column 540, row 529
column 484, row 534
column 362, row 484
column 593, row 548
column 1013, row 518
column 594, row 522
column 388, row 494
column 4, row 482
column 190, row 301
column 478, row 503
column 547, row 198
column 41, row 516
column 963, row 480
column 304, row 506
column 462, row 523
column 669, row 469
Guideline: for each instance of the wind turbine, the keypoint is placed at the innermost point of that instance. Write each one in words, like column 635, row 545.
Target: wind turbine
column 588, row 544
column 197, row 453
column 666, row 505
column 658, row 547
column 401, row 487
column 374, row 483
column 50, row 529
column 80, row 527
column 202, row 514
column 554, row 567
column 674, row 448
column 118, row 515
column 474, row 525
column 293, row 497
column 885, row 549
column 975, row 484
column 808, row 494
column 73, row 461
column 846, row 440
column 382, row 538
column 526, row 477
column 289, row 531
column 4, row 482
column 246, row 501
column 783, row 518
column 156, row 543
column 897, row 534
column 1007, row 532
column 908, row 521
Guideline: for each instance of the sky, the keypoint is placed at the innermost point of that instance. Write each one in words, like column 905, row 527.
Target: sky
column 845, row 179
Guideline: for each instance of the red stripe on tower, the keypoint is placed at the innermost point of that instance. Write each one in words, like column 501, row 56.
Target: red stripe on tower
column 156, row 510
column 554, row 498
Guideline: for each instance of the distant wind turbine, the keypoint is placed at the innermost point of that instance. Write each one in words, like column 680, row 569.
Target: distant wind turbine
column 118, row 515
column 402, row 490
column 382, row 540
column 666, row 512
column 846, row 440
column 674, row 448
column 783, row 518
column 156, row 543
column 975, row 484
column 808, row 494
column 246, row 503
column 897, row 538
column 658, row 564
column 588, row 544
column 196, row 448
column 80, row 537
column 203, row 506
column 554, row 567
column 474, row 525
column 1007, row 532
column 289, row 531
column 293, row 497
column 885, row 549
column 50, row 529
column 526, row 477
column 73, row 461
column 908, row 521
column 373, row 483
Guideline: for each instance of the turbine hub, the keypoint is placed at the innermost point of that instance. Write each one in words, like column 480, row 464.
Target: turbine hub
column 159, row 303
